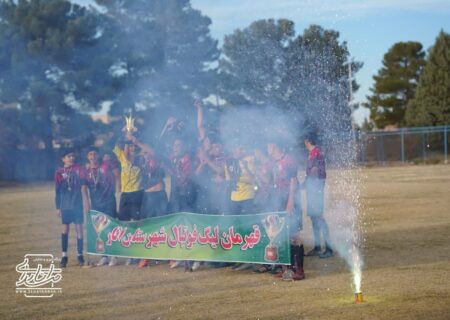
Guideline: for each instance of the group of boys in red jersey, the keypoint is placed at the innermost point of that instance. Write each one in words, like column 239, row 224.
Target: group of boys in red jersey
column 262, row 178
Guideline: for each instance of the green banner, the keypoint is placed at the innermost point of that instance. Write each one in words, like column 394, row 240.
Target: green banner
column 256, row 238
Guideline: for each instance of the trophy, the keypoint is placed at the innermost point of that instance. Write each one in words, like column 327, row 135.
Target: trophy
column 100, row 222
column 273, row 225
column 129, row 125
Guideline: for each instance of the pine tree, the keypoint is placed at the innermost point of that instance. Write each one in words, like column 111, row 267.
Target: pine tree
column 40, row 62
column 431, row 104
column 395, row 83
column 165, row 52
column 266, row 64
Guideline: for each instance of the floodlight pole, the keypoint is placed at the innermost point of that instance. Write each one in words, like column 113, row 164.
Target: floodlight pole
column 350, row 95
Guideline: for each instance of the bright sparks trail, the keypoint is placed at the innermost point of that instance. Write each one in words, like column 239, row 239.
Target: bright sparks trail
column 346, row 219
column 356, row 269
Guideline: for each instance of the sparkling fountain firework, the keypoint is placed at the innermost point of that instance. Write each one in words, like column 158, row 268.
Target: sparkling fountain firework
column 346, row 215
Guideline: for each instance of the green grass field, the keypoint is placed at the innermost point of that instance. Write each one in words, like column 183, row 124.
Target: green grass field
column 406, row 256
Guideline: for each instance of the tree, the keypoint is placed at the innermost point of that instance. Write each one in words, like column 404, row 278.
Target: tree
column 41, row 68
column 306, row 76
column 165, row 53
column 318, row 77
column 253, row 68
column 396, row 83
column 431, row 104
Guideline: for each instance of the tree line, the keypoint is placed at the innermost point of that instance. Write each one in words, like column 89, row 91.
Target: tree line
column 412, row 88
column 60, row 62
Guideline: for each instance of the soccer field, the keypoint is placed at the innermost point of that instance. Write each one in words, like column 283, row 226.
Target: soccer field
column 406, row 258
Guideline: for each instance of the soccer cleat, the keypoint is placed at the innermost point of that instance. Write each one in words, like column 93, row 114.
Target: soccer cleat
column 235, row 266
column 262, row 268
column 217, row 265
column 195, row 265
column 288, row 275
column 326, row 254
column 314, row 252
column 244, row 266
column 63, row 262
column 188, row 266
column 175, row 264
column 103, row 262
column 276, row 270
column 143, row 263
column 299, row 274
column 291, row 275
column 113, row 262
column 80, row 260
column 131, row 261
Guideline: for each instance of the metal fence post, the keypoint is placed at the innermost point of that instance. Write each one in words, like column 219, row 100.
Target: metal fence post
column 424, row 155
column 403, row 145
column 445, row 145
column 362, row 139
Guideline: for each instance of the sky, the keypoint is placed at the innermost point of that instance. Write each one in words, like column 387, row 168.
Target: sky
column 370, row 27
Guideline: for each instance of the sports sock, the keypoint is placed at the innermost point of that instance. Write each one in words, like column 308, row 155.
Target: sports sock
column 80, row 246
column 64, row 242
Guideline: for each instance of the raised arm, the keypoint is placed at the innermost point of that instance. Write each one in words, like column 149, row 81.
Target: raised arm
column 168, row 126
column 201, row 130
column 144, row 147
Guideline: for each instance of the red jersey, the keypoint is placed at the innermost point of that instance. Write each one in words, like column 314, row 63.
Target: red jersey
column 316, row 160
column 181, row 172
column 68, row 182
column 101, row 183
column 284, row 170
column 153, row 173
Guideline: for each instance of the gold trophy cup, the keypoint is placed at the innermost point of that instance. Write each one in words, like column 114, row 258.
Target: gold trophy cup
column 129, row 125
column 100, row 222
column 273, row 225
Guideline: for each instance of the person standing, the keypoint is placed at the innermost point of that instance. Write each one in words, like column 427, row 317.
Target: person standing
column 282, row 198
column 315, row 185
column 131, row 182
column 102, row 186
column 210, row 178
column 71, row 200
column 154, row 199
column 239, row 173
column 182, row 194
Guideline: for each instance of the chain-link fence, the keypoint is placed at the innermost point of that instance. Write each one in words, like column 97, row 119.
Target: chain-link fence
column 417, row 145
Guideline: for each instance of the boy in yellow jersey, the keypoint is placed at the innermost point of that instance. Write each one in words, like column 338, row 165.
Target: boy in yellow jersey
column 131, row 184
column 131, row 181
column 239, row 172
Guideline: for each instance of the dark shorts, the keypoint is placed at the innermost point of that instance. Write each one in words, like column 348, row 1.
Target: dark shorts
column 108, row 208
column 181, row 202
column 130, row 206
column 154, row 204
column 242, row 207
column 72, row 216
